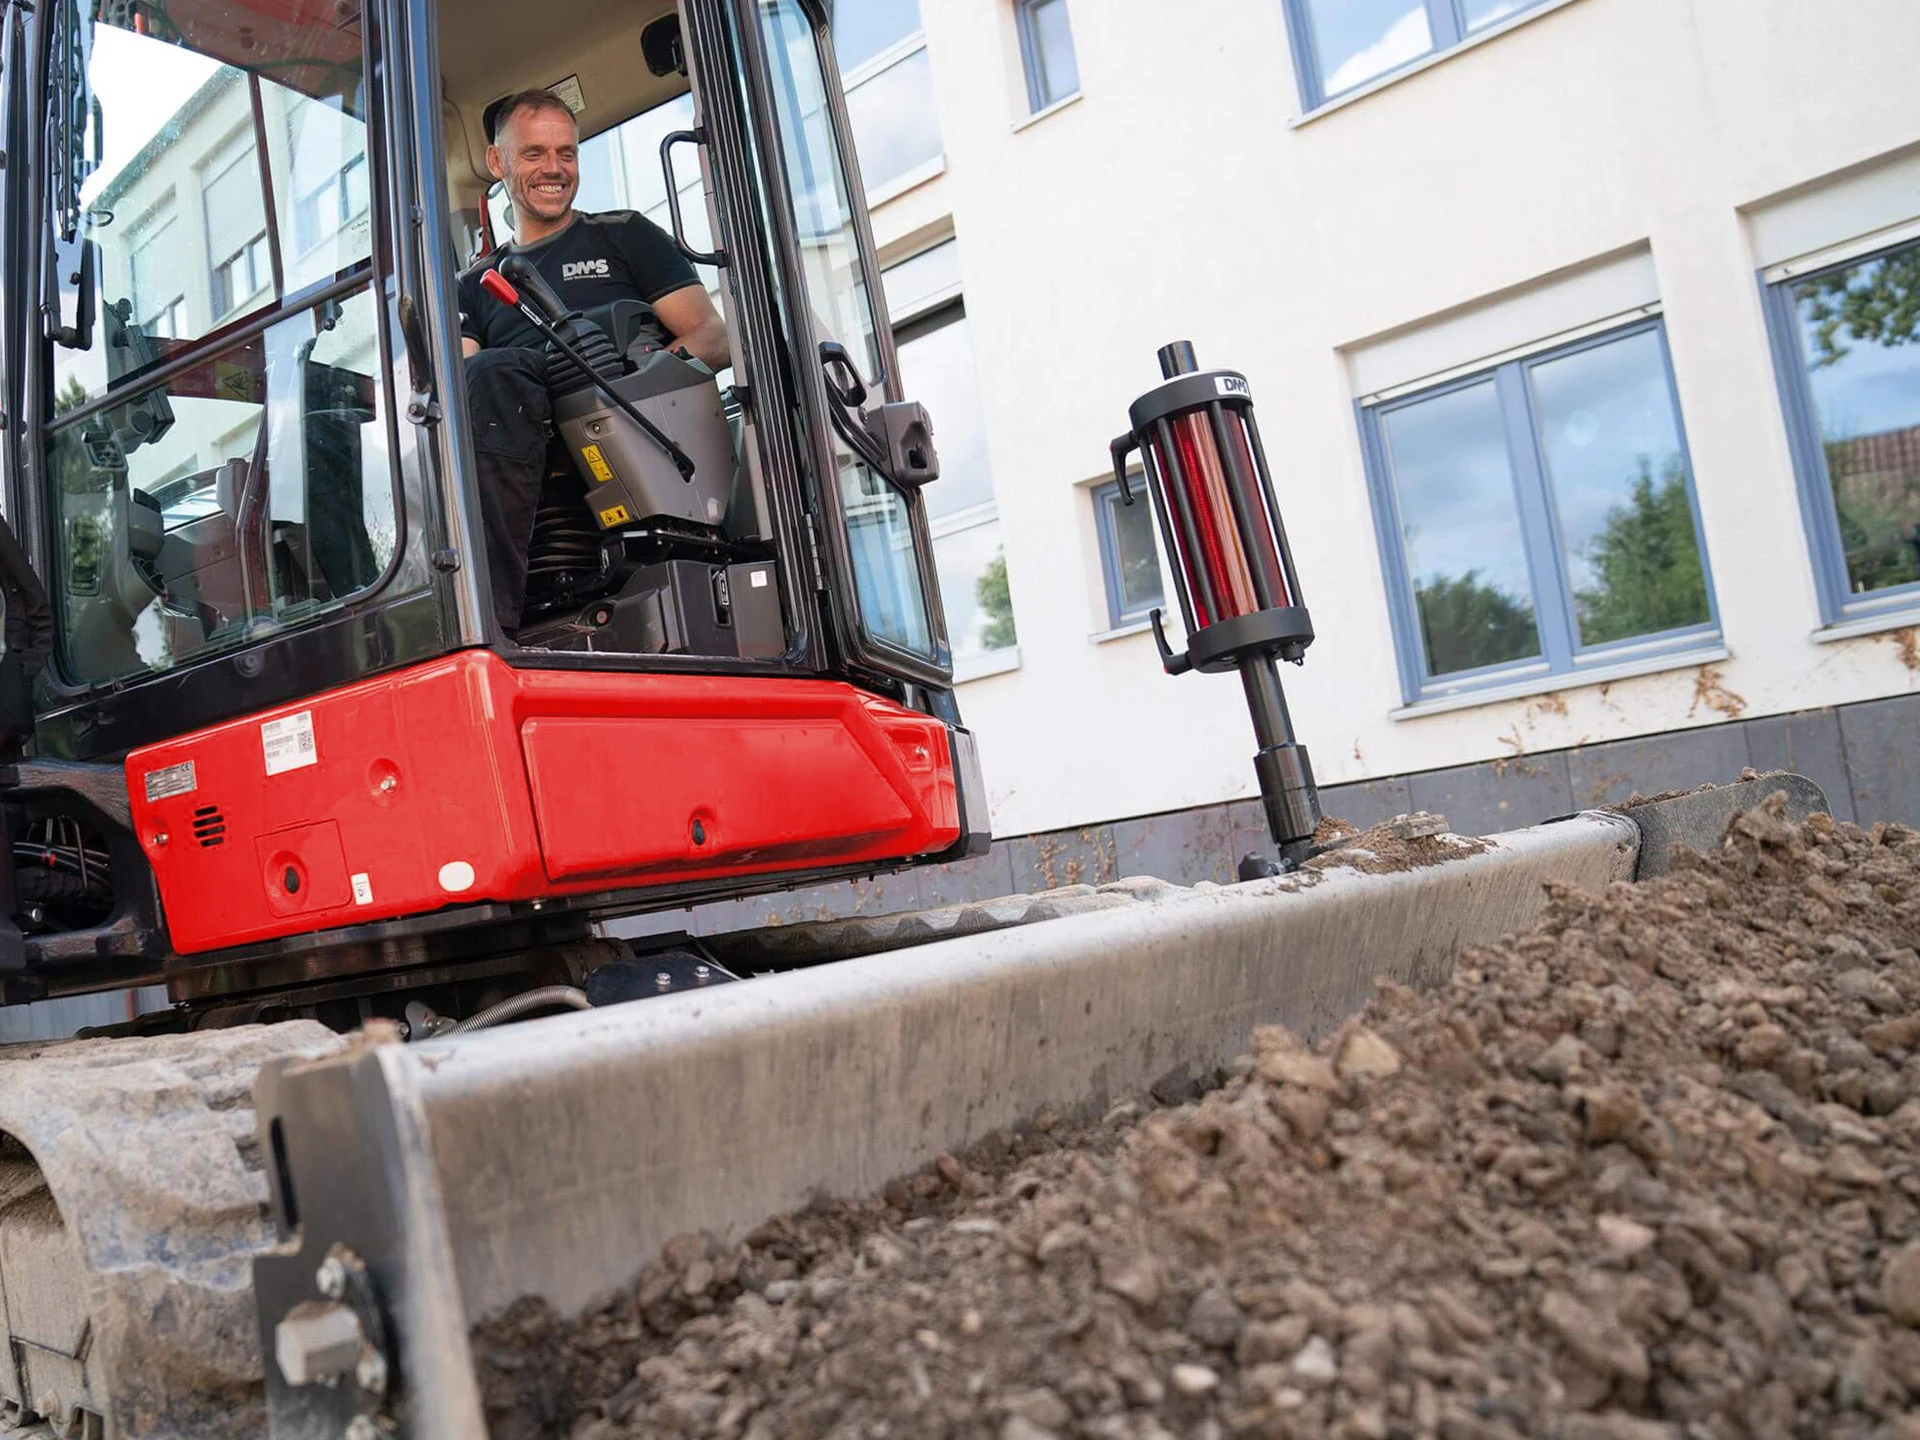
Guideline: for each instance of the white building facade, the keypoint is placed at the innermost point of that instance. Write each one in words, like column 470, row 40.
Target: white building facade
column 1582, row 334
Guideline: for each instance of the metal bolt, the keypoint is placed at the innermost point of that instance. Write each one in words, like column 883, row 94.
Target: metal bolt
column 317, row 1343
column 331, row 1278
column 702, row 972
column 662, row 981
column 390, row 784
column 160, row 839
column 371, row 1372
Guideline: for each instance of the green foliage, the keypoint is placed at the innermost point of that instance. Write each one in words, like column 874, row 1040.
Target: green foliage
column 1468, row 623
column 996, row 603
column 1646, row 563
column 1879, row 303
column 72, row 396
column 1879, row 514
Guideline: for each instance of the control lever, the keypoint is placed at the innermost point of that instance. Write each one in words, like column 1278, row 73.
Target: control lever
column 546, row 314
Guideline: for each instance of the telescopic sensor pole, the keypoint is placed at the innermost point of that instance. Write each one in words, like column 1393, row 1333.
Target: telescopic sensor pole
column 1239, row 594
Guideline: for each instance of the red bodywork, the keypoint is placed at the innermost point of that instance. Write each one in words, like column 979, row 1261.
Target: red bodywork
column 465, row 780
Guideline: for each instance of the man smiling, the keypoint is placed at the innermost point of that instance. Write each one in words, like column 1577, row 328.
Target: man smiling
column 589, row 260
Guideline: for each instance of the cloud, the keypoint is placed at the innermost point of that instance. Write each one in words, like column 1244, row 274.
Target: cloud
column 1408, row 38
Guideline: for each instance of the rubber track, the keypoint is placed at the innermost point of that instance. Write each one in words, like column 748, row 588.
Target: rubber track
column 149, row 1148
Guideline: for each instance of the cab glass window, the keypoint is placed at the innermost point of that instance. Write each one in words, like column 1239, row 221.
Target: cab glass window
column 198, row 125
column 216, row 454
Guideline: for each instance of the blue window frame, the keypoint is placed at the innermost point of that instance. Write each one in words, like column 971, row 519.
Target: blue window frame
column 1046, row 50
column 1849, row 377
column 1538, row 518
column 1129, row 561
column 1340, row 45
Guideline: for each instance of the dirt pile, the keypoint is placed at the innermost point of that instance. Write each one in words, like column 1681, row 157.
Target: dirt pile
column 1651, row 1171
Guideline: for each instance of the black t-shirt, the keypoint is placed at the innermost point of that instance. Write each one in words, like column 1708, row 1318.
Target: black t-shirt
column 598, row 259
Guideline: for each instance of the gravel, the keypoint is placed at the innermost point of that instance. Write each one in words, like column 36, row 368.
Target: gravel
column 1651, row 1171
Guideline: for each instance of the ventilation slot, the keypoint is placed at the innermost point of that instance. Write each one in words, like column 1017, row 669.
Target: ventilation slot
column 209, row 826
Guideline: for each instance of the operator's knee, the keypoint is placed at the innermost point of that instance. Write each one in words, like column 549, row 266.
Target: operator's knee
column 508, row 401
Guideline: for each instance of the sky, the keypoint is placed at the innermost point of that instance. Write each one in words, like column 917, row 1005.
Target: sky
column 141, row 84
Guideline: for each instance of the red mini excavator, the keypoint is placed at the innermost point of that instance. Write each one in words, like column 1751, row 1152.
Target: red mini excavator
column 288, row 764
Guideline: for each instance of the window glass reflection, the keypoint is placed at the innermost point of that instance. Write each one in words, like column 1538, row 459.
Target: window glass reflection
column 246, row 493
column 863, row 29
column 1357, row 40
column 895, row 128
column 1611, row 444
column 1460, row 523
column 1858, row 328
column 1132, row 560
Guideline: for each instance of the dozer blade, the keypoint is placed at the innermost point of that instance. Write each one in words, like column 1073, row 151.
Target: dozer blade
column 555, row 1158
column 426, row 1187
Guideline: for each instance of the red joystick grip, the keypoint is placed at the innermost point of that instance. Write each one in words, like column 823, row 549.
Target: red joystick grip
column 501, row 288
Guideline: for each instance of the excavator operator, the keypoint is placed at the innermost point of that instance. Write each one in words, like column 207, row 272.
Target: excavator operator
column 589, row 260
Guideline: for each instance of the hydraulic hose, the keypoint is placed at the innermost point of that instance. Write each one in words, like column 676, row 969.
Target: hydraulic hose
column 547, row 997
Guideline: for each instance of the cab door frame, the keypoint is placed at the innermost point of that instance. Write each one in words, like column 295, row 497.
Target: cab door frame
column 861, row 649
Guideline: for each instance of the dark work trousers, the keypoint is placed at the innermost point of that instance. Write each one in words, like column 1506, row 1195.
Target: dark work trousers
column 508, row 402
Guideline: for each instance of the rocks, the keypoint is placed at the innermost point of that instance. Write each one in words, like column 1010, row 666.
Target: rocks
column 1650, row 1172
column 1134, row 1277
column 1213, row 1319
column 1900, row 1284
column 1193, row 1380
column 1559, row 1061
column 1363, row 1055
column 1314, row 1366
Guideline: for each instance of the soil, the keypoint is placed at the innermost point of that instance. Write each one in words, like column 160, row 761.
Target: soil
column 1651, row 1171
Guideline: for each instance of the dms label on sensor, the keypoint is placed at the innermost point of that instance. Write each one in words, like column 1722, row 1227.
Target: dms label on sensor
column 289, row 742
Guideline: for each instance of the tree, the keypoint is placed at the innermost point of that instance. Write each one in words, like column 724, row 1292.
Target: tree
column 72, row 396
column 996, row 604
column 1879, row 302
column 1468, row 623
column 1646, row 563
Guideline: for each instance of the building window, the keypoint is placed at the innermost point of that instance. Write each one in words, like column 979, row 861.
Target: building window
column 1046, row 50
column 1850, row 372
column 938, row 368
column 237, row 232
column 1340, row 45
column 159, row 307
column 889, row 87
column 241, row 276
column 329, row 207
column 1539, row 518
column 1128, row 559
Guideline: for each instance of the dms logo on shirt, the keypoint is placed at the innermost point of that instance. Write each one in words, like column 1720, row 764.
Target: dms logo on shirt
column 584, row 270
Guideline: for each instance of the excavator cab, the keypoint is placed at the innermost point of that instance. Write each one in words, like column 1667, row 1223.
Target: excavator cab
column 283, row 738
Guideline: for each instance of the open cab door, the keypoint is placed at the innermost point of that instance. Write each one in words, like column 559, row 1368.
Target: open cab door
column 867, row 449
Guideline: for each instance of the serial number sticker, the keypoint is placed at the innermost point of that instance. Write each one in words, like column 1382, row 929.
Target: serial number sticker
column 614, row 515
column 1232, row 385
column 174, row 780
column 757, row 578
column 289, row 743
column 596, row 462
column 362, row 889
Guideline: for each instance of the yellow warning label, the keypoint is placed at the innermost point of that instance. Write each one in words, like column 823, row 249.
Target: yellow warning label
column 596, row 462
column 614, row 515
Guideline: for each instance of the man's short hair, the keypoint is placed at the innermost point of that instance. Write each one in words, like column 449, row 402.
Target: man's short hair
column 507, row 107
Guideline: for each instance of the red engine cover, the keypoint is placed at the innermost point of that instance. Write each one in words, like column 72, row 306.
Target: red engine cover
column 466, row 779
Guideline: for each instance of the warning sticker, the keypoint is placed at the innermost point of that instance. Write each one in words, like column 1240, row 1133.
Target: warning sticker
column 596, row 462
column 614, row 515
column 362, row 889
column 289, row 742
column 174, row 780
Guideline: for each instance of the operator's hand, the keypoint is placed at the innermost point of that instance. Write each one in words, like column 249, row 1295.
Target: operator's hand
column 689, row 315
